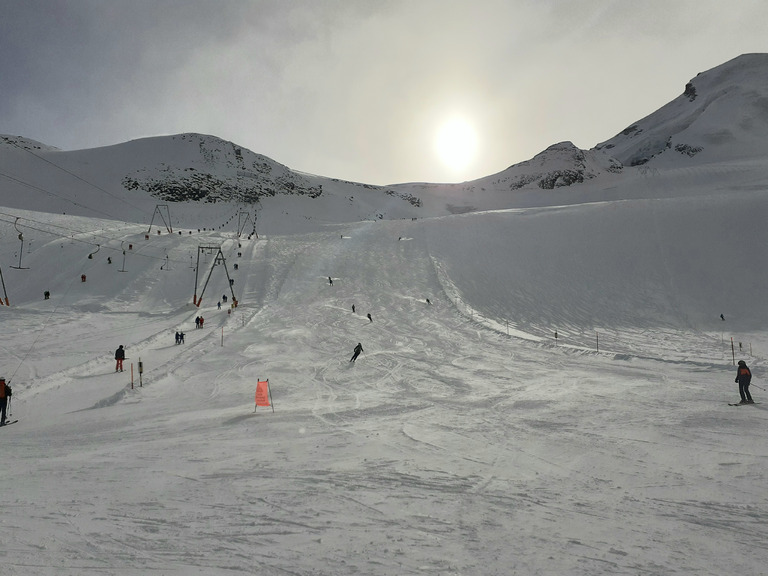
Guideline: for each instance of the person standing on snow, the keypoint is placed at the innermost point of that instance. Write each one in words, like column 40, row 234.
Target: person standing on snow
column 5, row 393
column 744, row 377
column 330, row 280
column 358, row 349
column 119, row 357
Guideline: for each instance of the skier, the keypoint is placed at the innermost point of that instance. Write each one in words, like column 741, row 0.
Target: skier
column 744, row 377
column 197, row 321
column 119, row 357
column 330, row 280
column 353, row 308
column 178, row 338
column 219, row 305
column 358, row 349
column 5, row 393
column 369, row 318
column 181, row 337
column 201, row 321
column 722, row 317
column 428, row 302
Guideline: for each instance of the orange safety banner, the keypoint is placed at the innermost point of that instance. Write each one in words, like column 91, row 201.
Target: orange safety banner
column 262, row 393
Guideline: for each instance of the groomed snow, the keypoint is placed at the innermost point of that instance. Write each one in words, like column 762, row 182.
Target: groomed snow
column 466, row 439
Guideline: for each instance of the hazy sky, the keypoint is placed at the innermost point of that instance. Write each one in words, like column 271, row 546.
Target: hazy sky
column 377, row 91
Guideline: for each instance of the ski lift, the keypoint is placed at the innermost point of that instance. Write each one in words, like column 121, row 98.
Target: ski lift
column 21, row 248
column 129, row 247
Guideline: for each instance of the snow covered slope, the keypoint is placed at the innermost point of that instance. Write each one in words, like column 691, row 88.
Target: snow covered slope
column 126, row 181
column 466, row 439
column 721, row 115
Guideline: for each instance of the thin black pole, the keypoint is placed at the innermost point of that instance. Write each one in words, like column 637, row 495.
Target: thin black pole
column 4, row 291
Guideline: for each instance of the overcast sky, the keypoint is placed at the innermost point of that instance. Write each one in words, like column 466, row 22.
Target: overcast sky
column 362, row 90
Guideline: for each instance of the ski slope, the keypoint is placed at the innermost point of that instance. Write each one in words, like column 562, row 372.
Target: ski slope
column 466, row 439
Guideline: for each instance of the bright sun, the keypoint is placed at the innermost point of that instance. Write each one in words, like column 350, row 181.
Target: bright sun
column 456, row 143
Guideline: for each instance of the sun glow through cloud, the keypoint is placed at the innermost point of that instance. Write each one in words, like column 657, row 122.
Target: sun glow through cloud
column 456, row 143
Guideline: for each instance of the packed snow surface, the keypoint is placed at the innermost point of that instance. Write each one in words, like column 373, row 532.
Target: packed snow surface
column 466, row 438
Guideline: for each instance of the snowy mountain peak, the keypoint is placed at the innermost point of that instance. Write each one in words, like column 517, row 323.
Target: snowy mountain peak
column 198, row 167
column 722, row 114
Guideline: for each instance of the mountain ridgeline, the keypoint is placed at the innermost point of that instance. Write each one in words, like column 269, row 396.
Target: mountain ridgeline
column 720, row 116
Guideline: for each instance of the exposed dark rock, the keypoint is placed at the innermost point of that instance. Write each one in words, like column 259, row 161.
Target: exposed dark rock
column 688, row 150
column 690, row 91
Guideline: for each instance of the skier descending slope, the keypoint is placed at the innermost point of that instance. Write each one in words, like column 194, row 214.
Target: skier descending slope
column 358, row 349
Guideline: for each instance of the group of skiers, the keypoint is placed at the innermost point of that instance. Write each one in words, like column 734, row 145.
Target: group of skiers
column 359, row 347
column 743, row 373
column 120, row 352
column 370, row 318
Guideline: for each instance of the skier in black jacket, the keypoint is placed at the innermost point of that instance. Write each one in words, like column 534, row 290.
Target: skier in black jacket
column 119, row 357
column 744, row 377
column 358, row 349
